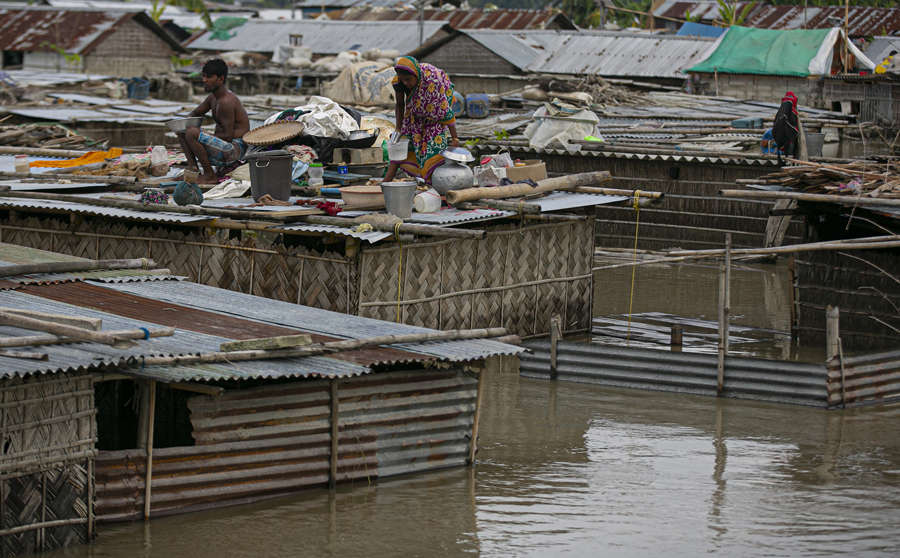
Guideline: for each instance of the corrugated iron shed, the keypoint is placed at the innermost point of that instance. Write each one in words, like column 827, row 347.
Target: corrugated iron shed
column 602, row 53
column 323, row 37
column 72, row 30
column 36, row 78
column 864, row 21
column 462, row 19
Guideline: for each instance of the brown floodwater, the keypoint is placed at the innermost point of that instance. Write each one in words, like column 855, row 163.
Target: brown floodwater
column 583, row 470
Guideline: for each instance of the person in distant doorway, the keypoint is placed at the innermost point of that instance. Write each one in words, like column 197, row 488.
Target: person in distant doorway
column 424, row 115
column 786, row 129
column 225, row 145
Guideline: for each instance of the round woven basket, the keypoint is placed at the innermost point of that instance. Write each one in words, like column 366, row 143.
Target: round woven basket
column 276, row 132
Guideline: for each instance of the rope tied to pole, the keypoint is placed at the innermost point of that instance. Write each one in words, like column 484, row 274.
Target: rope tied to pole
column 637, row 221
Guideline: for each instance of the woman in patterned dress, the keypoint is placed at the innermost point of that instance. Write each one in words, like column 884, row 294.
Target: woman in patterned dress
column 424, row 116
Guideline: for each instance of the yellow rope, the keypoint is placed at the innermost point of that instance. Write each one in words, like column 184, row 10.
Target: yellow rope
column 637, row 222
column 399, row 265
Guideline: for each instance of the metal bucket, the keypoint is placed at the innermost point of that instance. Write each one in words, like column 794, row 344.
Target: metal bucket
column 398, row 198
column 814, row 144
column 398, row 150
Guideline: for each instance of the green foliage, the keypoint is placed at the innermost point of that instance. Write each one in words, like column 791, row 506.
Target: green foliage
column 501, row 134
column 157, row 7
column 71, row 58
column 689, row 17
column 471, row 142
column 179, row 62
column 729, row 15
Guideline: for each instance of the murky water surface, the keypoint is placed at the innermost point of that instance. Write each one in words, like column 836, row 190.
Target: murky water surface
column 581, row 470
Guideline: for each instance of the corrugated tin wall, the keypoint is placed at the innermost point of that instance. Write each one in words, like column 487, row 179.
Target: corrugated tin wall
column 745, row 378
column 276, row 439
column 864, row 379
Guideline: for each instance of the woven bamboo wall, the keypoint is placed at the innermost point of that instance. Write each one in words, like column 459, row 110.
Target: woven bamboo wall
column 516, row 277
column 250, row 265
column 47, row 430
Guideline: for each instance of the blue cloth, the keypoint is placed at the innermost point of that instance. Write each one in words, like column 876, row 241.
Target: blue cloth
column 693, row 29
column 768, row 144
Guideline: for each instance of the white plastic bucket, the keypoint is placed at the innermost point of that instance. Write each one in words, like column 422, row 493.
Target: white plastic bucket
column 428, row 201
column 398, row 198
column 397, row 151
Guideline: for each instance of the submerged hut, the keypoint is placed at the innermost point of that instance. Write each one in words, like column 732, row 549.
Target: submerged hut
column 131, row 423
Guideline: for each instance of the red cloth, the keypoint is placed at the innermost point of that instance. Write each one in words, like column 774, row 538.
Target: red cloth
column 789, row 96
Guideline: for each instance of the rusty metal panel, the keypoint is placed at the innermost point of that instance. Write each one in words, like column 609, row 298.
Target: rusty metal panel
column 864, row 379
column 276, row 439
column 73, row 31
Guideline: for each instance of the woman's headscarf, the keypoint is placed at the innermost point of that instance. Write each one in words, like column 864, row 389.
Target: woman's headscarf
column 789, row 96
column 431, row 99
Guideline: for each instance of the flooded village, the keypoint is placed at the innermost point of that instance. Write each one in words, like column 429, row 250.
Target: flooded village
column 513, row 279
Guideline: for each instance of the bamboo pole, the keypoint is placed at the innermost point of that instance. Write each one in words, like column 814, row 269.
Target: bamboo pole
column 720, row 376
column 325, row 348
column 821, row 198
column 50, row 339
column 505, row 205
column 24, row 354
column 473, row 443
column 106, row 338
column 41, row 151
column 149, row 478
column 619, row 192
column 567, row 182
column 832, row 332
column 84, row 265
column 47, row 177
column 138, row 206
column 409, row 228
column 77, row 321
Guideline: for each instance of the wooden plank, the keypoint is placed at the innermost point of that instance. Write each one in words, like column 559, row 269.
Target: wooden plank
column 77, row 321
column 265, row 343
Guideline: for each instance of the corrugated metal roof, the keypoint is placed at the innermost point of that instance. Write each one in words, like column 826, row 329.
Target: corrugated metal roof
column 451, row 216
column 66, row 114
column 87, row 209
column 72, row 30
column 881, row 47
column 570, row 200
column 323, row 37
column 765, row 162
column 595, row 53
column 864, row 21
column 305, row 318
column 36, row 78
column 86, row 356
column 372, row 236
column 462, row 19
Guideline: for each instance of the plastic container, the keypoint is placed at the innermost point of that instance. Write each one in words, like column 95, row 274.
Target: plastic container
column 459, row 104
column 398, row 150
column 159, row 161
column 314, row 174
column 22, row 164
column 342, row 169
column 398, row 198
column 138, row 88
column 270, row 173
column 478, row 105
column 428, row 201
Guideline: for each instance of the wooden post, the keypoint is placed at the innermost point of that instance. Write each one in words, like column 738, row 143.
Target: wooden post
column 335, row 432
column 846, row 34
column 832, row 332
column 151, row 413
column 675, row 338
column 143, row 414
column 473, row 443
column 724, row 311
column 555, row 335
column 90, row 499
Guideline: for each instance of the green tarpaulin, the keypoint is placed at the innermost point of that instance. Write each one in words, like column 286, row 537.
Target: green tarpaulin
column 764, row 51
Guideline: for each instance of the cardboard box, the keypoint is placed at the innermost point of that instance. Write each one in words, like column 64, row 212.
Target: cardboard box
column 357, row 156
column 534, row 169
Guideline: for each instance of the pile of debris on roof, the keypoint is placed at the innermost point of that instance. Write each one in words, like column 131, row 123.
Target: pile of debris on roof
column 588, row 90
column 43, row 135
column 859, row 178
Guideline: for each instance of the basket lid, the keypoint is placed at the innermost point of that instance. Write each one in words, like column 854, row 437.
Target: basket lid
column 273, row 154
column 276, row 132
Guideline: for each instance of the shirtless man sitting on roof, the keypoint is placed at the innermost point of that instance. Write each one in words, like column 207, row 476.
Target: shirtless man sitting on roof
column 226, row 146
